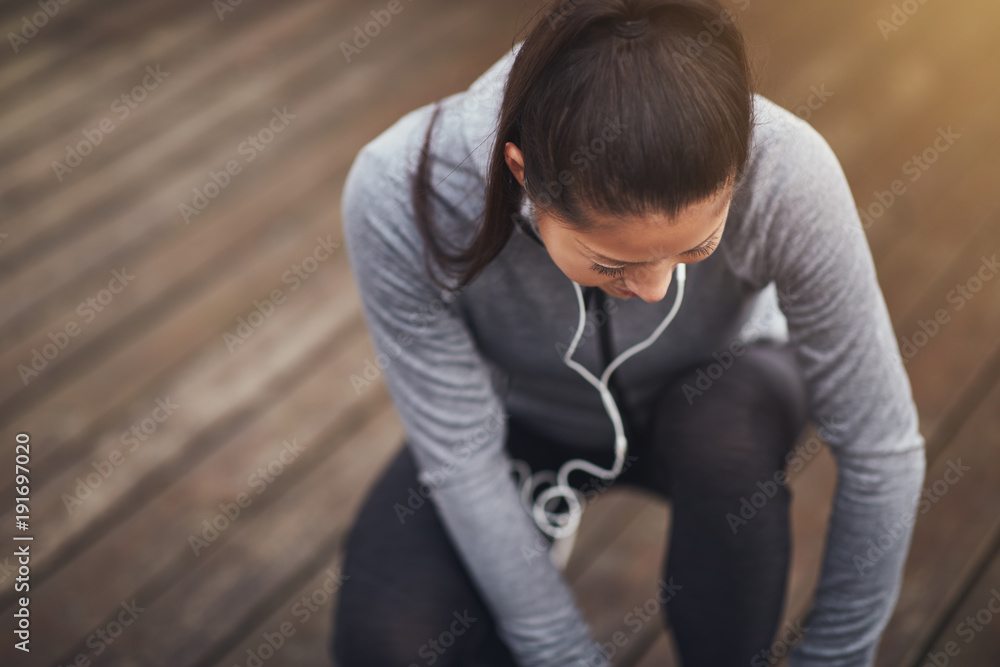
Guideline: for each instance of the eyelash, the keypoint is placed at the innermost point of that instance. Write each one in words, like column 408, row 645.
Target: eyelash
column 703, row 251
column 618, row 271
column 614, row 272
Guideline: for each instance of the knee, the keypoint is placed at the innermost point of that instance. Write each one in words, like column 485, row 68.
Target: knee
column 725, row 428
column 759, row 374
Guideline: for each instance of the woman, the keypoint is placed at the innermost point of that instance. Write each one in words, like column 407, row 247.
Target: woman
column 618, row 161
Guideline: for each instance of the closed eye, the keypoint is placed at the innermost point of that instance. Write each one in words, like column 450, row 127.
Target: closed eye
column 612, row 271
column 617, row 271
column 703, row 251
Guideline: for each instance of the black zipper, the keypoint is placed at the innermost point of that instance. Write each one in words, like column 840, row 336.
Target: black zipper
column 607, row 354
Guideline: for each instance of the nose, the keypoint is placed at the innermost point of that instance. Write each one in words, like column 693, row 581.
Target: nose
column 650, row 283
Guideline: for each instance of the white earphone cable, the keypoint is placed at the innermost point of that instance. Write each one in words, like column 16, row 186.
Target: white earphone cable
column 565, row 524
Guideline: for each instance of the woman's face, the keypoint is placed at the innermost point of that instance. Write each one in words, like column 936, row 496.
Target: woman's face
column 629, row 257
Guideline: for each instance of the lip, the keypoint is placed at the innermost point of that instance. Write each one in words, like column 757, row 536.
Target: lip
column 625, row 292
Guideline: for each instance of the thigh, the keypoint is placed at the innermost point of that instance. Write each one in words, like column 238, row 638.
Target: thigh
column 407, row 598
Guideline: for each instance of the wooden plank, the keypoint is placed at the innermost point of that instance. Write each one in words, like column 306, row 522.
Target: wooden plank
column 916, row 211
column 327, row 105
column 883, row 108
column 943, row 548
column 249, row 573
column 315, row 416
column 311, row 170
column 309, row 611
column 968, row 637
column 56, row 100
column 916, row 263
column 12, row 20
column 210, row 285
column 194, row 57
column 155, row 200
column 601, row 525
column 231, row 385
column 879, row 116
column 246, row 210
column 949, row 361
column 663, row 652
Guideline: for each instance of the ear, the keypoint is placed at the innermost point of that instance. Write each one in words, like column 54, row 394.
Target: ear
column 515, row 161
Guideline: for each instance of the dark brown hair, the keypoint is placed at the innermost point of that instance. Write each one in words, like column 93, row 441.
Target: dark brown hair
column 665, row 107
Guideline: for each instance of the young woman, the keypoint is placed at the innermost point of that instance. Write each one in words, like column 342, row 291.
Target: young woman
column 610, row 262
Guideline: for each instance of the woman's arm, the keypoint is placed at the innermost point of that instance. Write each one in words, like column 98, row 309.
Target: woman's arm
column 816, row 251
column 455, row 423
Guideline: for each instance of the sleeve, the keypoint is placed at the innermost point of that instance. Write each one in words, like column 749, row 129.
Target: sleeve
column 455, row 424
column 817, row 254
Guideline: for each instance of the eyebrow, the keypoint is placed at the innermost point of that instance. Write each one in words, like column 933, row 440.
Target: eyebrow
column 611, row 260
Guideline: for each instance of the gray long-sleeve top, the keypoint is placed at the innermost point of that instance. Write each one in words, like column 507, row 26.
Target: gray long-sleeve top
column 793, row 265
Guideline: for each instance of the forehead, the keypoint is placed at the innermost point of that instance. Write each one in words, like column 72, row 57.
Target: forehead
column 650, row 238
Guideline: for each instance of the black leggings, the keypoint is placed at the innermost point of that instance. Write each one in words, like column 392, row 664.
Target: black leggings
column 705, row 452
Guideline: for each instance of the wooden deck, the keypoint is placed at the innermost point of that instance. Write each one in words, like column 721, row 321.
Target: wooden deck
column 152, row 413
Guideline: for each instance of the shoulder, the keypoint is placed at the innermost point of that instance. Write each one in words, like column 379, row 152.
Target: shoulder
column 794, row 196
column 788, row 156
column 377, row 205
